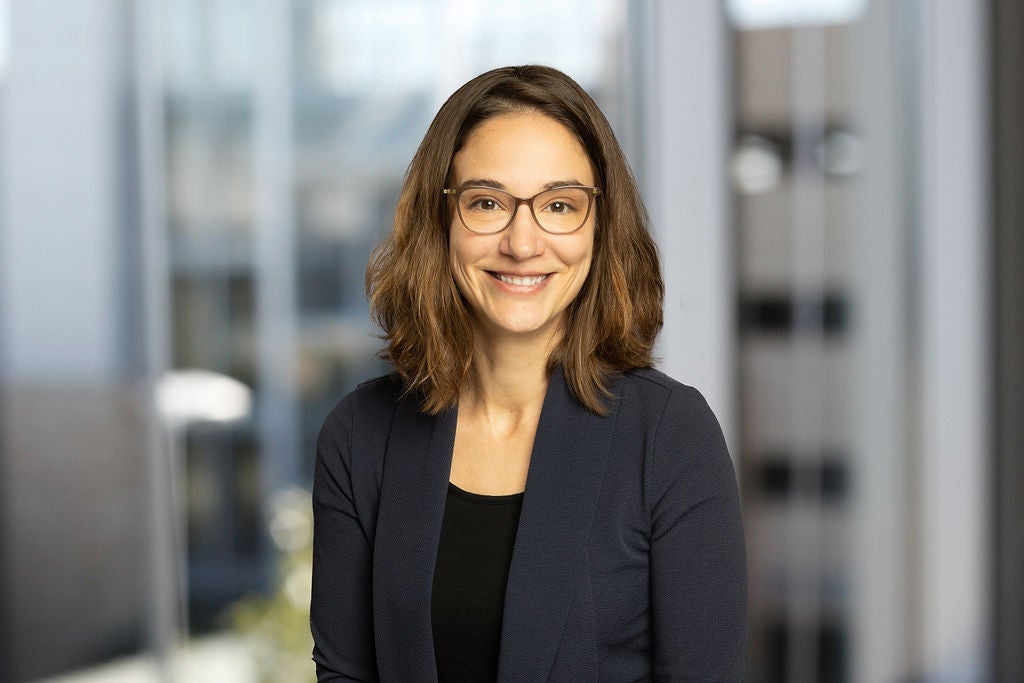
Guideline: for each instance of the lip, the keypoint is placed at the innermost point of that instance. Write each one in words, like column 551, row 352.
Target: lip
column 519, row 282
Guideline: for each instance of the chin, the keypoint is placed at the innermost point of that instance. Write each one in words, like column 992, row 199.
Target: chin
column 523, row 327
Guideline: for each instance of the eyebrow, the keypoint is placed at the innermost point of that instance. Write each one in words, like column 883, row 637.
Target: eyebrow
column 487, row 182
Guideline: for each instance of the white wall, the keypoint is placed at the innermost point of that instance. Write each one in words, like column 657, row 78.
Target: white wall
column 922, row 442
column 59, row 303
column 684, row 120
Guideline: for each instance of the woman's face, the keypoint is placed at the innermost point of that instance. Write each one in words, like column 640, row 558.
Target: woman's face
column 520, row 281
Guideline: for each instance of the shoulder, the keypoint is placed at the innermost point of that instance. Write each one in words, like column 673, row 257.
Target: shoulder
column 684, row 434
column 377, row 395
column 353, row 439
column 654, row 393
column 388, row 389
column 371, row 404
column 651, row 379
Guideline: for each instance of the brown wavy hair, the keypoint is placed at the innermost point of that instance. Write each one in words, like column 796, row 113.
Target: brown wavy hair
column 612, row 323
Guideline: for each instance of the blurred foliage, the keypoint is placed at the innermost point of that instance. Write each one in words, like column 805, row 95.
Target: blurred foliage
column 277, row 625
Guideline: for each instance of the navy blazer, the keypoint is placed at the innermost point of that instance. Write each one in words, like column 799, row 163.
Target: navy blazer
column 628, row 562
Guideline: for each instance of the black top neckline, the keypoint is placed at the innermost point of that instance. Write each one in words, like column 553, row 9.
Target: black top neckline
column 482, row 498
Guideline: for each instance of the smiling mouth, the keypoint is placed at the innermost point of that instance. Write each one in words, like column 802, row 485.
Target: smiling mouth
column 523, row 281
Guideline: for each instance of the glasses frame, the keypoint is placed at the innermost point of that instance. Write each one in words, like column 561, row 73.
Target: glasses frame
column 456, row 193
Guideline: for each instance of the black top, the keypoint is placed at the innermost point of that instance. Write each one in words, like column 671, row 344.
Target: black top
column 477, row 535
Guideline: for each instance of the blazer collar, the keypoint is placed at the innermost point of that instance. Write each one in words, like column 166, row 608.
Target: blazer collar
column 562, row 488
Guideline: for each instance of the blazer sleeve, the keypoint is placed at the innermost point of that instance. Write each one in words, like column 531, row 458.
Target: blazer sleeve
column 698, row 557
column 340, row 614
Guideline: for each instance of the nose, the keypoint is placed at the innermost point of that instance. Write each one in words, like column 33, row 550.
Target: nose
column 523, row 238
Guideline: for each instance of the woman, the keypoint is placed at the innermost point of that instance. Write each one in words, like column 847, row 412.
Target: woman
column 525, row 498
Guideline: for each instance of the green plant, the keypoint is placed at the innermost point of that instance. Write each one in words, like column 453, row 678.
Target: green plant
column 277, row 625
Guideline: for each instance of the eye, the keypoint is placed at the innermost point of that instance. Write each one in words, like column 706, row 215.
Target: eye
column 560, row 207
column 482, row 202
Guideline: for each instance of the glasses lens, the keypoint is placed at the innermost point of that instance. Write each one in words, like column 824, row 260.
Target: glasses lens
column 563, row 209
column 484, row 209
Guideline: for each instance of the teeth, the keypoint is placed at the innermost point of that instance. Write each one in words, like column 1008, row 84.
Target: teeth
column 521, row 281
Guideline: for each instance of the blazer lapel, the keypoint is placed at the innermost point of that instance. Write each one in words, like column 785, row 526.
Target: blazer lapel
column 415, row 481
column 563, row 485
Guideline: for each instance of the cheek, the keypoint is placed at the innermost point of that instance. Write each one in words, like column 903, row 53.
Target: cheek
column 583, row 260
column 464, row 249
column 583, row 256
column 459, row 258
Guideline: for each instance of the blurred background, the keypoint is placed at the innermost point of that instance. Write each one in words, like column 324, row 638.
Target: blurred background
column 189, row 190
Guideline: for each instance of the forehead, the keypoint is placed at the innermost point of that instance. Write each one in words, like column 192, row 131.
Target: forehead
column 524, row 151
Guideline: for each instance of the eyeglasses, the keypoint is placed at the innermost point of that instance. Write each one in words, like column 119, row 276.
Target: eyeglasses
column 559, row 211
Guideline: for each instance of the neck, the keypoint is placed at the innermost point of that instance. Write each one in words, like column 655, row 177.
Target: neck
column 509, row 374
